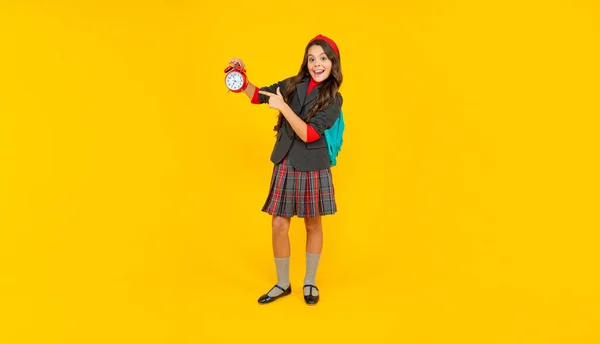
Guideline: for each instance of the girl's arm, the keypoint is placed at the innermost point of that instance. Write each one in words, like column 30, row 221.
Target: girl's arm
column 299, row 126
column 276, row 102
column 305, row 132
column 250, row 89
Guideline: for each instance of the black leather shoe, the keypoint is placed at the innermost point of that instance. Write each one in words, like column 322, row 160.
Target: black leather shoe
column 311, row 299
column 265, row 298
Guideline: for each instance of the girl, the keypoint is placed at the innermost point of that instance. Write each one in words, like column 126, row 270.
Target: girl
column 301, row 183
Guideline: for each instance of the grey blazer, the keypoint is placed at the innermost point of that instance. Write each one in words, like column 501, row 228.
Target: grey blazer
column 303, row 156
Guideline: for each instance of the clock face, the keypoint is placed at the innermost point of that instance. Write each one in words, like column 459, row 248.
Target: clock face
column 234, row 81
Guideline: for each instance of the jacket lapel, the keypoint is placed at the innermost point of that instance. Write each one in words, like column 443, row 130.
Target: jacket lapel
column 312, row 96
column 305, row 99
column 301, row 89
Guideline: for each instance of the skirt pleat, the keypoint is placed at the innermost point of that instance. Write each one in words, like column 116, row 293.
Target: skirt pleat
column 300, row 193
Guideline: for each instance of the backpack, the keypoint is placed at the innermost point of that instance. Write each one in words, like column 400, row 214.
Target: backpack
column 334, row 138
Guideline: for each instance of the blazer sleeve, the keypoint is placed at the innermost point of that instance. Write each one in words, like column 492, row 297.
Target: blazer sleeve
column 273, row 89
column 325, row 119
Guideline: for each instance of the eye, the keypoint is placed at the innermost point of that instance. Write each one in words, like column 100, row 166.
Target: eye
column 324, row 58
column 310, row 59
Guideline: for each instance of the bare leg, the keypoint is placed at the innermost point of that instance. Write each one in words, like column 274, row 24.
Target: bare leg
column 281, row 251
column 314, row 234
column 281, row 240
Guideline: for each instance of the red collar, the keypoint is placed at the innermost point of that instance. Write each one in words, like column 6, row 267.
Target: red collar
column 312, row 84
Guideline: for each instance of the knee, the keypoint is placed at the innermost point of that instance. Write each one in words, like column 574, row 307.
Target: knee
column 313, row 227
column 281, row 226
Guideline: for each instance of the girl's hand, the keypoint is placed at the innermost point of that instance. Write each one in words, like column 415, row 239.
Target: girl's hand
column 275, row 100
column 236, row 61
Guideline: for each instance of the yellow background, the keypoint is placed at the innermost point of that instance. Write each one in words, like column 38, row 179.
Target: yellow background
column 131, row 183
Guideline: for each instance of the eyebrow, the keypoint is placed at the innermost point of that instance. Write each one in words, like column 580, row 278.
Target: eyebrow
column 319, row 54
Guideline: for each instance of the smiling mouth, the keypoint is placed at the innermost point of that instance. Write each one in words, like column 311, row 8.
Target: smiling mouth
column 319, row 71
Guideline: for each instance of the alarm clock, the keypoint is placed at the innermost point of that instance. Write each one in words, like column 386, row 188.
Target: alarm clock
column 236, row 79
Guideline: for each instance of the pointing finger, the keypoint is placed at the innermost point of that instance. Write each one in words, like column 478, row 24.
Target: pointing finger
column 266, row 93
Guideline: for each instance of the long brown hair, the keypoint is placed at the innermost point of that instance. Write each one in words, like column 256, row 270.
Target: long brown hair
column 328, row 88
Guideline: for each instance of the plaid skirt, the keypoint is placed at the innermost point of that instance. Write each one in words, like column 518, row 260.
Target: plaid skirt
column 300, row 193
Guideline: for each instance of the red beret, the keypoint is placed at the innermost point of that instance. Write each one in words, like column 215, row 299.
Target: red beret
column 328, row 40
